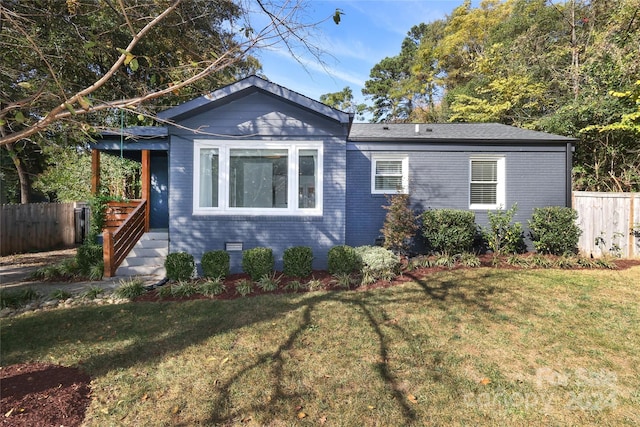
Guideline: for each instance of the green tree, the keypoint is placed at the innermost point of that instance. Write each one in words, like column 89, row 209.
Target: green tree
column 344, row 101
column 390, row 84
column 400, row 224
column 602, row 115
column 68, row 179
column 68, row 67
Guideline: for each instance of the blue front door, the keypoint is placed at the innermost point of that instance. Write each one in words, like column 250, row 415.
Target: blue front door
column 159, row 202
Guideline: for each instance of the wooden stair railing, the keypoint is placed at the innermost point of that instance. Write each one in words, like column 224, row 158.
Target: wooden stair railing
column 124, row 226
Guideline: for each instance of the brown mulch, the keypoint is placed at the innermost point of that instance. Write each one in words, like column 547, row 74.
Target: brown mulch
column 38, row 394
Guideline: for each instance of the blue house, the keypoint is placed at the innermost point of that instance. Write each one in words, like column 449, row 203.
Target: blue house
column 256, row 164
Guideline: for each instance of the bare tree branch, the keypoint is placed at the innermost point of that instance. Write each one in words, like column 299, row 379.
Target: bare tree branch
column 282, row 26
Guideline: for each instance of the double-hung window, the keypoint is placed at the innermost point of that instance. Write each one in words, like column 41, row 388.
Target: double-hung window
column 486, row 183
column 275, row 179
column 389, row 174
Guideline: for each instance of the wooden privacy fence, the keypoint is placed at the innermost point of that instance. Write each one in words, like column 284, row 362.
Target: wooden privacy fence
column 36, row 227
column 610, row 223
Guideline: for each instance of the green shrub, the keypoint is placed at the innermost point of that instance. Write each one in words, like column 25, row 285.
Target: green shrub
column 88, row 255
column 470, row 260
column 17, row 298
column 400, row 225
column 179, row 266
column 606, row 263
column 96, row 272
column 244, row 287
column 343, row 259
column 165, row 291
column 130, row 289
column 212, row 287
column 215, row 264
column 60, row 294
column 269, row 282
column 97, row 207
column 184, row 289
column 502, row 236
column 420, row 261
column 519, row 261
column 344, row 280
column 298, row 261
column 540, row 261
column 92, row 292
column 294, row 285
column 566, row 261
column 48, row 272
column 314, row 285
column 553, row 230
column 449, row 231
column 445, row 260
column 257, row 262
column 377, row 263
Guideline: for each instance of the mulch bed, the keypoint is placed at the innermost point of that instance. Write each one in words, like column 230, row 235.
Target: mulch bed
column 38, row 394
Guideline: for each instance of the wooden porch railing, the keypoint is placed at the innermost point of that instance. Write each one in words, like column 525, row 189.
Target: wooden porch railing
column 124, row 225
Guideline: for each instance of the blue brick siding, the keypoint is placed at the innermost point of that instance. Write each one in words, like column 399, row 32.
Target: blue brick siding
column 439, row 179
column 273, row 121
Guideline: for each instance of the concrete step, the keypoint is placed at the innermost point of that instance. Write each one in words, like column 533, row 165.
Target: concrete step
column 155, row 235
column 141, row 270
column 139, row 260
column 147, row 256
column 150, row 252
column 148, row 244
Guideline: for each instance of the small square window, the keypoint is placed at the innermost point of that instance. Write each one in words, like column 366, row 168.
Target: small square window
column 486, row 183
column 389, row 174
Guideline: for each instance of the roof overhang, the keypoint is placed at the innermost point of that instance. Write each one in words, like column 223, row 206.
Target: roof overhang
column 245, row 87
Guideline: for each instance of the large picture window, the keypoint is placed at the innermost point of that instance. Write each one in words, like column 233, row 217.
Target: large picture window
column 389, row 174
column 487, row 183
column 237, row 178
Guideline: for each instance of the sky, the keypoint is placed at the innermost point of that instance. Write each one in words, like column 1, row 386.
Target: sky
column 369, row 31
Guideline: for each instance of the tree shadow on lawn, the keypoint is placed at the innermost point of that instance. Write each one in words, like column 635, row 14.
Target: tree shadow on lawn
column 125, row 335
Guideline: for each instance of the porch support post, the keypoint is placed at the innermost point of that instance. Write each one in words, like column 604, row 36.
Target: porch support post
column 95, row 171
column 146, row 186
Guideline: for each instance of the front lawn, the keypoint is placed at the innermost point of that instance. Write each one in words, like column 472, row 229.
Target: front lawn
column 475, row 347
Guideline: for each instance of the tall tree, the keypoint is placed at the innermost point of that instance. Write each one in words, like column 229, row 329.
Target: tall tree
column 67, row 66
column 389, row 85
column 604, row 114
column 344, row 101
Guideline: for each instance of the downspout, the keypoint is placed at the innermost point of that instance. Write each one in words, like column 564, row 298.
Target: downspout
column 569, row 167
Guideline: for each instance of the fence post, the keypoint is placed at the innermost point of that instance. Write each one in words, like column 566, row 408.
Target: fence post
column 107, row 252
column 631, row 241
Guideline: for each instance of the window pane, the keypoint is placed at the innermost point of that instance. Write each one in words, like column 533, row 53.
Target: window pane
column 484, row 170
column 389, row 167
column 392, row 183
column 208, row 178
column 258, row 178
column 483, row 194
column 307, row 173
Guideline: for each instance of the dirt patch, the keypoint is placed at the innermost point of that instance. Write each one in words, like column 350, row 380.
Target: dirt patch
column 19, row 268
column 39, row 394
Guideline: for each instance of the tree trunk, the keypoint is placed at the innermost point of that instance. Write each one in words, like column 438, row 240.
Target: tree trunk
column 23, row 176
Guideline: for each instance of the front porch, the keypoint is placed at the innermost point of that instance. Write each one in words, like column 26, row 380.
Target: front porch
column 127, row 222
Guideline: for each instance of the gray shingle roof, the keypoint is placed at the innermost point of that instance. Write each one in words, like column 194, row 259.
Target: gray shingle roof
column 372, row 132
column 241, row 88
column 139, row 132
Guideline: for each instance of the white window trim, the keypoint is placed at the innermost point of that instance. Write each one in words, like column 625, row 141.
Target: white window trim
column 405, row 173
column 500, row 188
column 224, row 149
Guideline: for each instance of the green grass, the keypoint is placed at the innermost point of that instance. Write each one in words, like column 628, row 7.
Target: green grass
column 463, row 347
